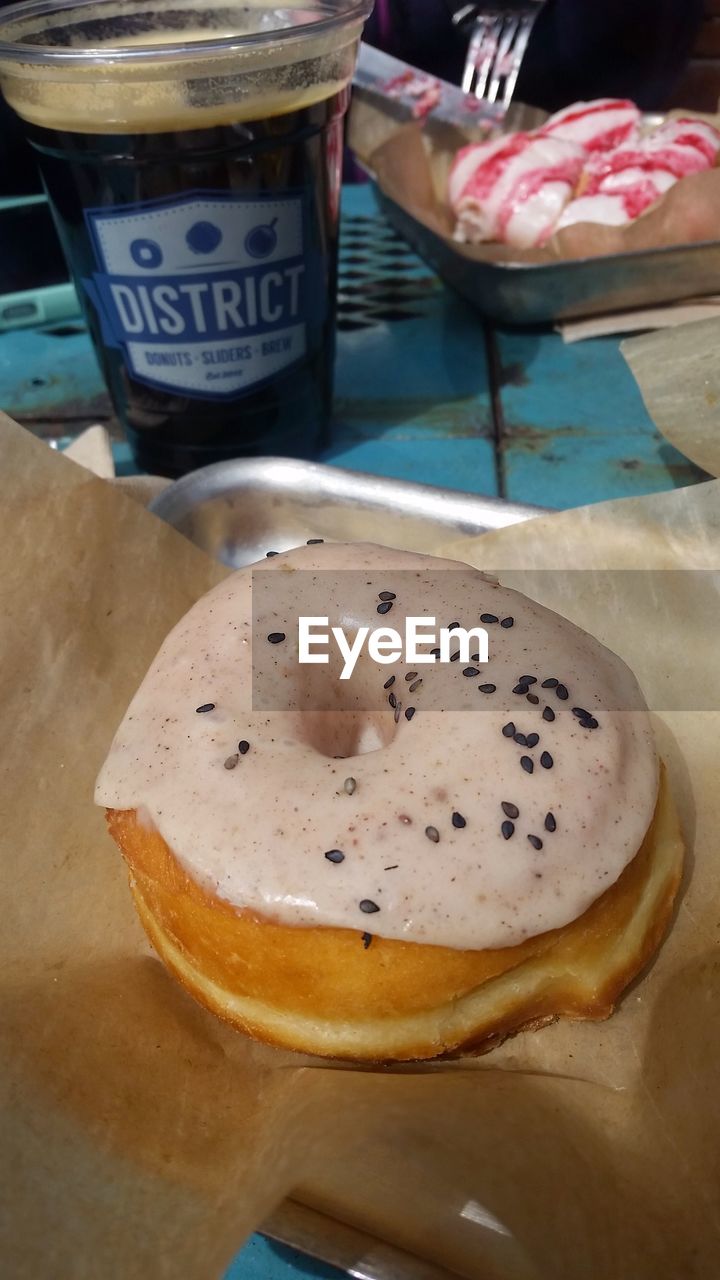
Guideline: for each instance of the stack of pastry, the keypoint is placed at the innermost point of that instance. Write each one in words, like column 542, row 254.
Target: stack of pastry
column 592, row 162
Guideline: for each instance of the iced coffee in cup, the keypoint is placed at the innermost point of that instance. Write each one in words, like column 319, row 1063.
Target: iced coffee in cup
column 191, row 153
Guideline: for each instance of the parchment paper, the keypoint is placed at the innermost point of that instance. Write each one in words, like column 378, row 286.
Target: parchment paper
column 412, row 166
column 142, row 1139
column 640, row 319
column 679, row 376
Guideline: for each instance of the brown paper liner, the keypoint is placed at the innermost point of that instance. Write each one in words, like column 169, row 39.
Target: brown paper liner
column 142, row 1139
column 679, row 376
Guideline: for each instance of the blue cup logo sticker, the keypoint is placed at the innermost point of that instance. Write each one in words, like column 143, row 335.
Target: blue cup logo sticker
column 209, row 295
column 262, row 240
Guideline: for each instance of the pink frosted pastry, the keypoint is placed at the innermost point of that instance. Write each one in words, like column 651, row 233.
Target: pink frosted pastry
column 619, row 198
column 685, row 132
column 613, row 209
column 596, row 126
column 618, row 185
column 513, row 188
column 675, row 150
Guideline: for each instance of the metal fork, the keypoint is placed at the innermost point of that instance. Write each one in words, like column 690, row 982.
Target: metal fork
column 499, row 38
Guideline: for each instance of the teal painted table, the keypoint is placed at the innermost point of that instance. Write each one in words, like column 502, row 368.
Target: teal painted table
column 425, row 390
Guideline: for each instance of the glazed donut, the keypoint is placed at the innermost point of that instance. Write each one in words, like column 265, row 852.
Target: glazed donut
column 417, row 861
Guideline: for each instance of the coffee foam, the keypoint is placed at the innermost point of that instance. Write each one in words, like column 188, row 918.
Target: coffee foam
column 197, row 88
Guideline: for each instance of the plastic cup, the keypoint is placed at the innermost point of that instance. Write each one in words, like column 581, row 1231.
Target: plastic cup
column 192, row 156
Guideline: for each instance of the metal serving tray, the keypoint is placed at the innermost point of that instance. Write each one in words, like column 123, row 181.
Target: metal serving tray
column 516, row 293
column 239, row 510
column 520, row 293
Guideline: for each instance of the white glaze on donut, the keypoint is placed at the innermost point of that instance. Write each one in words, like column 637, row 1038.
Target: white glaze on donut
column 257, row 833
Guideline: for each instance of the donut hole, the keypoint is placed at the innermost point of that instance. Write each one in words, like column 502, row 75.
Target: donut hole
column 342, row 734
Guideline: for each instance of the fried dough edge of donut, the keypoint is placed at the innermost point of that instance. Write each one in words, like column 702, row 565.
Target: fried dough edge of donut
column 300, row 987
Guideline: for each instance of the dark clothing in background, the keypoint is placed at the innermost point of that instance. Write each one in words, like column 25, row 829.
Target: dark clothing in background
column 578, row 49
column 421, row 33
column 18, row 171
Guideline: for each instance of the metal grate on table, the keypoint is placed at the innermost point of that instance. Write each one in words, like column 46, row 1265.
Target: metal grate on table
column 381, row 280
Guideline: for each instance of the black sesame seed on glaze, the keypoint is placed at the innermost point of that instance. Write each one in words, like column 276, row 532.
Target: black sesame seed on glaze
column 550, row 823
column 206, row 706
column 385, row 607
column 392, row 699
column 387, row 595
column 276, row 637
column 589, row 723
column 453, row 626
column 581, row 713
column 397, row 711
column 411, row 675
column 454, row 656
column 520, row 688
column 533, row 698
column 487, row 688
column 508, row 730
column 231, row 761
column 521, row 739
column 507, row 622
column 546, row 760
column 550, row 683
column 314, row 542
column 389, row 682
column 433, row 834
column 270, row 554
column 527, row 764
column 415, row 685
column 409, row 712
column 470, row 671
column 366, row 940
column 528, row 679
column 435, row 653
column 509, row 809
column 368, row 906
column 562, row 693
column 335, row 855
column 533, row 739
column 458, row 821
column 507, row 829
column 548, row 714
column 243, row 747
column 488, row 617
column 536, row 842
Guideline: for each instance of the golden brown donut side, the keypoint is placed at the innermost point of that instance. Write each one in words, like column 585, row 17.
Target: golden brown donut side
column 321, row 991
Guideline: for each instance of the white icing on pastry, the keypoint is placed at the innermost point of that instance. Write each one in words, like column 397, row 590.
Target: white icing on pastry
column 256, row 831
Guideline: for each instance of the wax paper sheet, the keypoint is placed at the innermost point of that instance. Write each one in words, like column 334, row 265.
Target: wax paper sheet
column 679, row 375
column 143, row 1139
column 640, row 319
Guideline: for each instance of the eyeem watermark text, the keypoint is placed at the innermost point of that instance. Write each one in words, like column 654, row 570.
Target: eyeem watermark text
column 386, row 645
